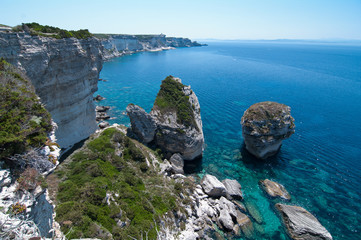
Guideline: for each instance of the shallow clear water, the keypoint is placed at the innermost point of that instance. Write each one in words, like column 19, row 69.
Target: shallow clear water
column 319, row 165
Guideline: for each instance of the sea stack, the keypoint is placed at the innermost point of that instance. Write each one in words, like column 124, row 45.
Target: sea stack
column 264, row 126
column 175, row 121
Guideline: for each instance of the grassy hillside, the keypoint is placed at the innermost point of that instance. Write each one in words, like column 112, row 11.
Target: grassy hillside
column 107, row 187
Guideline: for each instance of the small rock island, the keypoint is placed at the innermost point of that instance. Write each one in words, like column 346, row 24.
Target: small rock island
column 174, row 124
column 264, row 126
column 301, row 224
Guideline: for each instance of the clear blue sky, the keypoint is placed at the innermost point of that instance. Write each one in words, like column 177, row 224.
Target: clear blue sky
column 221, row 19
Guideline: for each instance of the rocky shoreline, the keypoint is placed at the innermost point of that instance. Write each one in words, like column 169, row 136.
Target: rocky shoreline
column 117, row 45
column 208, row 203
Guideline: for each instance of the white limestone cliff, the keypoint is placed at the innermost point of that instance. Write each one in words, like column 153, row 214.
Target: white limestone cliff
column 116, row 45
column 64, row 73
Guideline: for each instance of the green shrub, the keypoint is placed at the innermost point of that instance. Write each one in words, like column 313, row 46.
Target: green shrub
column 24, row 122
column 86, row 181
column 171, row 98
column 55, row 32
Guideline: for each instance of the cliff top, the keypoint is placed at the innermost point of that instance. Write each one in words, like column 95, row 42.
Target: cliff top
column 136, row 36
column 172, row 98
column 49, row 31
column 24, row 121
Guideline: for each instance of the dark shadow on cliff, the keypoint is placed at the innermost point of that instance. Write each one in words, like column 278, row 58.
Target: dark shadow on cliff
column 68, row 151
column 194, row 166
column 257, row 164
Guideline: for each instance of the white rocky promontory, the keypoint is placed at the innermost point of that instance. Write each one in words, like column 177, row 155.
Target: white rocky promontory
column 64, row 73
column 302, row 225
column 264, row 126
column 176, row 114
column 116, row 45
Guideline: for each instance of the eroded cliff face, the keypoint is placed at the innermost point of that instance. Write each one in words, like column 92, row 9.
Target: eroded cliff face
column 118, row 45
column 64, row 73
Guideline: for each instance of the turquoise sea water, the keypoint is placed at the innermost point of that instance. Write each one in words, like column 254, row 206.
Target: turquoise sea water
column 320, row 164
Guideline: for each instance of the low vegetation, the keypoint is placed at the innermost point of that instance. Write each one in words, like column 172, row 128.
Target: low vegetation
column 107, row 187
column 24, row 122
column 55, row 32
column 171, row 98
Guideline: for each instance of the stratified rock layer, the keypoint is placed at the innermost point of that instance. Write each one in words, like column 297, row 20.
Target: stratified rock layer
column 64, row 73
column 264, row 126
column 116, row 45
column 302, row 225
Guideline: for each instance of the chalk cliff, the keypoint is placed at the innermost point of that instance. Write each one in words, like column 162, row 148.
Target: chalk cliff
column 116, row 45
column 64, row 73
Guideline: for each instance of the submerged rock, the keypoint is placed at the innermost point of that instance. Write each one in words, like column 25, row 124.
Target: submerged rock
column 245, row 224
column 212, row 186
column 233, row 189
column 302, row 225
column 175, row 118
column 275, row 189
column 254, row 211
column 264, row 126
column 142, row 123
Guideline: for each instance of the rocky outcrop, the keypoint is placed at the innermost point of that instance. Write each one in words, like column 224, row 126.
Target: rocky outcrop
column 142, row 123
column 264, row 126
column 174, row 123
column 177, row 163
column 302, row 225
column 64, row 73
column 103, row 125
column 212, row 186
column 116, row 45
column 26, row 210
column 275, row 189
column 206, row 210
column 233, row 189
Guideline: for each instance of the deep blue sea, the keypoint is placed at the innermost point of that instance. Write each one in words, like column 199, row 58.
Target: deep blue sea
column 320, row 165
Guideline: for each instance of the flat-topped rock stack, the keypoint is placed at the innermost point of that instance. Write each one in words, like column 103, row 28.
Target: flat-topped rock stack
column 264, row 126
